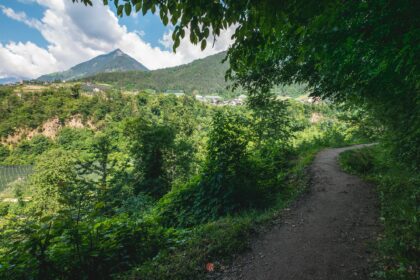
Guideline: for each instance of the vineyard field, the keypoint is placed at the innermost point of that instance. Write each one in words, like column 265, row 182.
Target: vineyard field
column 10, row 174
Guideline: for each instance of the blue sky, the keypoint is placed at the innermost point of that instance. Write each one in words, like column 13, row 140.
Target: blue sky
column 43, row 36
column 12, row 30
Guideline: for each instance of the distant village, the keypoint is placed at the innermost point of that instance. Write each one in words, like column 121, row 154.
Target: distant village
column 215, row 100
column 212, row 99
column 219, row 101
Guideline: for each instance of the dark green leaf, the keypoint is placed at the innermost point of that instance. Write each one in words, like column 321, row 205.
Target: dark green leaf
column 127, row 8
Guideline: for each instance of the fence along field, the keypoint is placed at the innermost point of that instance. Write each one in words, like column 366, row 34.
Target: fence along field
column 11, row 174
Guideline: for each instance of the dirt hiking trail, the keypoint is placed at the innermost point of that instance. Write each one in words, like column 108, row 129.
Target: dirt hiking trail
column 326, row 235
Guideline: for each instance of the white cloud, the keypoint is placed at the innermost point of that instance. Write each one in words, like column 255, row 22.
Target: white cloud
column 76, row 33
column 20, row 16
column 25, row 60
column 141, row 33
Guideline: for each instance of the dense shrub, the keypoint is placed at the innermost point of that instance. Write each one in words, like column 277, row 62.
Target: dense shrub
column 176, row 208
column 63, row 231
column 74, row 138
column 4, row 152
column 95, row 249
column 27, row 151
column 234, row 178
column 358, row 161
column 4, row 208
column 227, row 183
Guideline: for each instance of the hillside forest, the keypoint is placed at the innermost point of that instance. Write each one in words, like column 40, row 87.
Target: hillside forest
column 153, row 181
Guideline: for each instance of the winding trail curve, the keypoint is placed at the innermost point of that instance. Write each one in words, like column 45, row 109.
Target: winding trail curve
column 325, row 235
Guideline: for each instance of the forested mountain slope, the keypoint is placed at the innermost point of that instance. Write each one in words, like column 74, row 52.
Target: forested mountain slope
column 203, row 76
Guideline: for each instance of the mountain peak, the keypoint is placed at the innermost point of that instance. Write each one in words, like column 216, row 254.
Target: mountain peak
column 115, row 61
column 118, row 52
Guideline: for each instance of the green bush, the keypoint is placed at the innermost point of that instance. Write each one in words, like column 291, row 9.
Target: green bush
column 176, row 208
column 358, row 161
column 4, row 152
column 27, row 151
column 74, row 138
column 233, row 178
column 4, row 209
column 92, row 250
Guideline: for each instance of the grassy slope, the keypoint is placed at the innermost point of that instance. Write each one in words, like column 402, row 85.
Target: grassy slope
column 399, row 192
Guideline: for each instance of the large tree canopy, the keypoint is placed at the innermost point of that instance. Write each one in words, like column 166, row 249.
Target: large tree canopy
column 363, row 51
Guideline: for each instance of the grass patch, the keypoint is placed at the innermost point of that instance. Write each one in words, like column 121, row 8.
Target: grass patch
column 399, row 193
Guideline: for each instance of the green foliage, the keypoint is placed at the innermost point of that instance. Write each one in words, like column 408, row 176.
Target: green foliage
column 152, row 143
column 26, row 151
column 61, row 232
column 178, row 206
column 358, row 161
column 72, row 139
column 398, row 187
column 243, row 168
column 194, row 248
column 29, row 110
column 92, row 250
column 339, row 50
column 158, row 188
column 4, row 209
column 361, row 122
column 75, row 90
column 215, row 241
column 4, row 152
column 228, row 183
column 161, row 141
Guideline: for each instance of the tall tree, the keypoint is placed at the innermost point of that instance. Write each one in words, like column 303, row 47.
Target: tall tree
column 151, row 143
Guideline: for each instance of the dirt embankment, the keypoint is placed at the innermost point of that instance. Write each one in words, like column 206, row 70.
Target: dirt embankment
column 48, row 129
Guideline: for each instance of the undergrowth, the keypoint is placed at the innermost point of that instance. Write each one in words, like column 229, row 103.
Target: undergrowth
column 219, row 241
